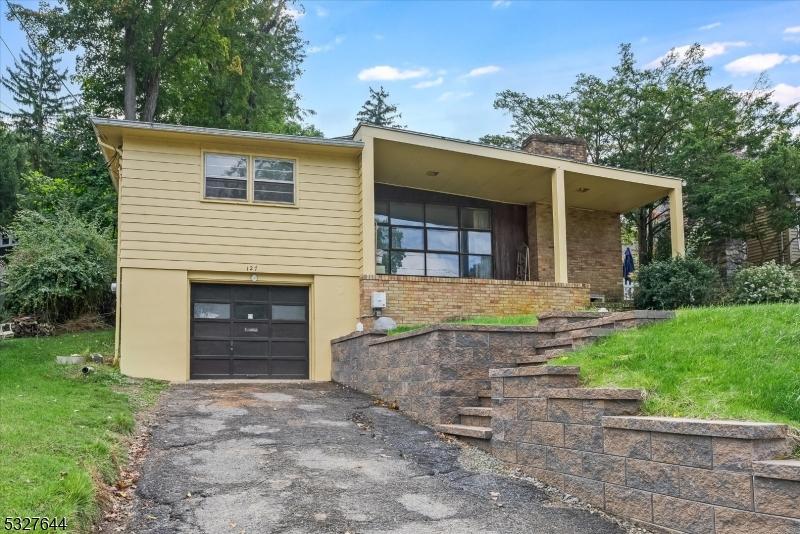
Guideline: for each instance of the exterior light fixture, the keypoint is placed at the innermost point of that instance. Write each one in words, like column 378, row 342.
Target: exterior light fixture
column 432, row 173
column 582, row 189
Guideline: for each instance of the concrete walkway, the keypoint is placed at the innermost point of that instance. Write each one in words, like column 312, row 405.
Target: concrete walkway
column 298, row 458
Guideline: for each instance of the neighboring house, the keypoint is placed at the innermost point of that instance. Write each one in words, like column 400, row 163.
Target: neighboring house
column 7, row 242
column 243, row 254
column 770, row 245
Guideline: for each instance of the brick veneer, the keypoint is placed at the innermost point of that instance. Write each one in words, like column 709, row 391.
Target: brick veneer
column 421, row 299
column 593, row 248
column 671, row 475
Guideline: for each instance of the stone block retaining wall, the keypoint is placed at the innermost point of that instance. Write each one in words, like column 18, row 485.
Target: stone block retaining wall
column 425, row 300
column 670, row 475
column 432, row 372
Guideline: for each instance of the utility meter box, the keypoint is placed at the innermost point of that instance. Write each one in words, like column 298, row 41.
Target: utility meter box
column 378, row 300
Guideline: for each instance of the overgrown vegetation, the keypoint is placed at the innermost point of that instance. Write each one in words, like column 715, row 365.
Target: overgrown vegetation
column 739, row 362
column 675, row 283
column 61, row 267
column 60, row 431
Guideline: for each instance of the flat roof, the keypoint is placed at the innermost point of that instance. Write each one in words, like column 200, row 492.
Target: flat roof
column 502, row 149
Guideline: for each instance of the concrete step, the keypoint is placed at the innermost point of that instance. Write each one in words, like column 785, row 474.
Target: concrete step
column 477, row 432
column 535, row 370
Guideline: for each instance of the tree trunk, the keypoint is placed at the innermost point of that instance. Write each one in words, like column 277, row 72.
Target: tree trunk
column 642, row 227
column 151, row 101
column 130, row 75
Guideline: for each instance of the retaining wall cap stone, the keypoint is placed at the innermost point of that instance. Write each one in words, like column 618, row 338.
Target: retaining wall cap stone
column 535, row 371
column 783, row 469
column 590, row 393
column 698, row 427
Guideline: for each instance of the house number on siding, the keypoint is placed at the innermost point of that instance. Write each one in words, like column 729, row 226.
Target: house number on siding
column 251, row 268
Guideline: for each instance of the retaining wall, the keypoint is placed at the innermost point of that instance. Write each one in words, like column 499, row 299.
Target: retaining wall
column 670, row 475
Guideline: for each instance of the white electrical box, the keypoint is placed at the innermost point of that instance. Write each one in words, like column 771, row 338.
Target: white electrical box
column 378, row 300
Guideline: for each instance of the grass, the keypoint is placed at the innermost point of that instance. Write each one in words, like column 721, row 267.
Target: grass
column 503, row 320
column 61, row 431
column 738, row 362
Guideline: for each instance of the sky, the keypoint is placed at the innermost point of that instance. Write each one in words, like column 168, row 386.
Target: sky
column 444, row 62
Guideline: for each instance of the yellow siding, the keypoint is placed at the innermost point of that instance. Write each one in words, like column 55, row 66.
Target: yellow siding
column 169, row 236
column 166, row 224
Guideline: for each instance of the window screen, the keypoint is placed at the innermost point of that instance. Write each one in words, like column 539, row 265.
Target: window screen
column 273, row 180
column 226, row 176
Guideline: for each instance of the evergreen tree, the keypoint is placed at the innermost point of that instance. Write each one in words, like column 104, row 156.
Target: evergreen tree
column 376, row 110
column 35, row 83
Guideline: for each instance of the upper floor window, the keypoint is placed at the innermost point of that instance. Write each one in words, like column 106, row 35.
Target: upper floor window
column 227, row 176
column 273, row 180
column 433, row 240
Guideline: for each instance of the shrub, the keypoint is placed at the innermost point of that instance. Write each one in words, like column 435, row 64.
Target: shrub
column 675, row 283
column 61, row 267
column 765, row 283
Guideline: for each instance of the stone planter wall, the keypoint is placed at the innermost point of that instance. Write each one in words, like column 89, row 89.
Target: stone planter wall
column 670, row 475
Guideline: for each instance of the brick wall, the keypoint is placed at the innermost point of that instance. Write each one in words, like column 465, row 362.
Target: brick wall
column 422, row 300
column 594, row 245
column 557, row 146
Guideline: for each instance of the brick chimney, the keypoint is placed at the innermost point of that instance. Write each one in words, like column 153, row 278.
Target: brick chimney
column 556, row 145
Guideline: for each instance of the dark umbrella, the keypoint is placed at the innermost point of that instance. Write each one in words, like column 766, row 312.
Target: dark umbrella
column 627, row 265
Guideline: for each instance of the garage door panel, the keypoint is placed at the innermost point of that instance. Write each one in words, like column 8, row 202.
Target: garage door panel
column 211, row 292
column 250, row 348
column 251, row 293
column 289, row 330
column 211, row 347
column 204, row 329
column 289, row 295
column 211, row 367
column 246, row 366
column 288, row 348
column 289, row 368
column 249, row 331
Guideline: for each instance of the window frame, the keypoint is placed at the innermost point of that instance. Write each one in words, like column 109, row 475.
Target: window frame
column 250, row 179
column 461, row 254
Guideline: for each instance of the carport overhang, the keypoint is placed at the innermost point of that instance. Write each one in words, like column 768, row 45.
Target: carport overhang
column 432, row 163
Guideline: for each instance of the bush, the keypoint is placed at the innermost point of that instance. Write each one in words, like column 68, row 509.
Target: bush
column 765, row 283
column 675, row 283
column 61, row 267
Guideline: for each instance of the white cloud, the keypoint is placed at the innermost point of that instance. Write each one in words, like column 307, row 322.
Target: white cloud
column 710, row 26
column 429, row 83
column 295, row 13
column 327, row 47
column 709, row 50
column 451, row 96
column 483, row 71
column 785, row 94
column 496, row 4
column 321, row 11
column 792, row 34
column 386, row 72
column 756, row 63
column 792, row 29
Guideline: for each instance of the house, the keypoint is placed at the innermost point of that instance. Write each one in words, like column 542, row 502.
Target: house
column 243, row 254
column 766, row 244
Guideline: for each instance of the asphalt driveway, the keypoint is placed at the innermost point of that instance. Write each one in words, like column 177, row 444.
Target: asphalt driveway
column 320, row 458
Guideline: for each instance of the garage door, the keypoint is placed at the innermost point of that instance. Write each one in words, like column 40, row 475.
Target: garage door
column 249, row 331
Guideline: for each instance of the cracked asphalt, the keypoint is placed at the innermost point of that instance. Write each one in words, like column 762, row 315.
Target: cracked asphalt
column 296, row 458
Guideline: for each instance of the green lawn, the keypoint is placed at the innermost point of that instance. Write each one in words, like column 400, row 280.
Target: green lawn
column 738, row 362
column 59, row 430
column 504, row 320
